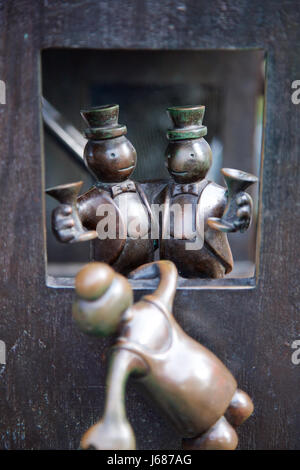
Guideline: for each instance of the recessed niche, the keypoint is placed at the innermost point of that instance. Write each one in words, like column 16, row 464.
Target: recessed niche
column 144, row 83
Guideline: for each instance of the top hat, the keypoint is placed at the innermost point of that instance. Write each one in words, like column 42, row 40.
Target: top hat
column 103, row 122
column 187, row 121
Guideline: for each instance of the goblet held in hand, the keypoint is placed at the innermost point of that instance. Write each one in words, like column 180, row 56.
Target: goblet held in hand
column 237, row 181
column 67, row 194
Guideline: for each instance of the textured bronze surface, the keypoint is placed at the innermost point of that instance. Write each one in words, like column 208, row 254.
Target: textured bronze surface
column 189, row 383
column 188, row 159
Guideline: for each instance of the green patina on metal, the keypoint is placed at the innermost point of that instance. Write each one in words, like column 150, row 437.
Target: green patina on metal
column 187, row 122
column 183, row 116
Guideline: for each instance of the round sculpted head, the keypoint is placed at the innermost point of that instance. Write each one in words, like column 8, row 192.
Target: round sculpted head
column 103, row 296
column 188, row 161
column 111, row 160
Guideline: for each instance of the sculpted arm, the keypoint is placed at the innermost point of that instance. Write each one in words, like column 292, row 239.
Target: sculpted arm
column 113, row 431
column 87, row 207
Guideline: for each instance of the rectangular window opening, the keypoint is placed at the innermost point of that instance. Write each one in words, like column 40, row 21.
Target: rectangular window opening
column 231, row 85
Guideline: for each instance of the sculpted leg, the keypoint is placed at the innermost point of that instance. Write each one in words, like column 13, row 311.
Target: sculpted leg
column 221, row 436
column 240, row 408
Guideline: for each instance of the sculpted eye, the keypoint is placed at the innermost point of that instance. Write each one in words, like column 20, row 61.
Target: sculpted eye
column 192, row 154
column 113, row 155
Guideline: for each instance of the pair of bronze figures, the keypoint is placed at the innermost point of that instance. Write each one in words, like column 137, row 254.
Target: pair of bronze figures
column 201, row 398
column 112, row 159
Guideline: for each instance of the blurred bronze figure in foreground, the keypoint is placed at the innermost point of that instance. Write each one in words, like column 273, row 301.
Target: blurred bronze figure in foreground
column 189, row 383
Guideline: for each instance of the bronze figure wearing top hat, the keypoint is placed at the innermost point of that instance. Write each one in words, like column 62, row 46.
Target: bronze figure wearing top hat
column 197, row 213
column 203, row 249
column 111, row 157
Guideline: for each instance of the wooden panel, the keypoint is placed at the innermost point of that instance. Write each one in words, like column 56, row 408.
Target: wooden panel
column 52, row 387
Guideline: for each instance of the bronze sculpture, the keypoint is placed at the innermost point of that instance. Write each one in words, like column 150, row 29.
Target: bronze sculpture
column 195, row 240
column 188, row 382
column 111, row 157
column 188, row 159
column 67, row 195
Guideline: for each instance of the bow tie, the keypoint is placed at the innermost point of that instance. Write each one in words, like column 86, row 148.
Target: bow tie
column 123, row 188
column 192, row 188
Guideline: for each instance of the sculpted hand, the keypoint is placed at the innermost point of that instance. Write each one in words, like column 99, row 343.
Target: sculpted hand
column 63, row 223
column 244, row 212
